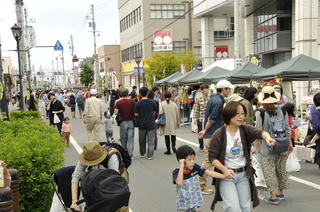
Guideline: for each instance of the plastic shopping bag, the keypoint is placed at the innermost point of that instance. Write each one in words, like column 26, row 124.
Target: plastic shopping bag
column 259, row 176
column 293, row 164
column 56, row 119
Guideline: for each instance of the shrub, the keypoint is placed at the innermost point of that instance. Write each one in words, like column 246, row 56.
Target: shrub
column 24, row 114
column 36, row 150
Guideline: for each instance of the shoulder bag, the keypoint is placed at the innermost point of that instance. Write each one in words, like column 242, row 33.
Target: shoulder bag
column 162, row 119
column 135, row 118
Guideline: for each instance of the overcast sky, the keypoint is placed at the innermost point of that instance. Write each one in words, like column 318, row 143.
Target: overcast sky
column 58, row 20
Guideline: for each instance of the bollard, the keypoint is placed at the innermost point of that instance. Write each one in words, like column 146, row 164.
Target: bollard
column 6, row 200
column 15, row 187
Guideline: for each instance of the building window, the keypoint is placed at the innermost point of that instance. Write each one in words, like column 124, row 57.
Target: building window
column 167, row 11
column 197, row 50
column 101, row 66
column 131, row 19
column 131, row 52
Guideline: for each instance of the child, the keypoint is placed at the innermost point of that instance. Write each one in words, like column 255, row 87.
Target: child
column 66, row 131
column 108, row 126
column 186, row 177
column 290, row 108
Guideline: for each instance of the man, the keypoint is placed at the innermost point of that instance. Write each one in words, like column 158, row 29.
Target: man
column 145, row 109
column 81, row 100
column 94, row 156
column 212, row 122
column 125, row 108
column 199, row 109
column 92, row 116
column 133, row 93
column 59, row 95
column 157, row 95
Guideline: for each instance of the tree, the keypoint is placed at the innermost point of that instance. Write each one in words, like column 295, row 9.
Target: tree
column 163, row 64
column 86, row 75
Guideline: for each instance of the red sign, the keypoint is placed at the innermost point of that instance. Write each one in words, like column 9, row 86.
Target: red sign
column 12, row 86
column 162, row 40
column 222, row 53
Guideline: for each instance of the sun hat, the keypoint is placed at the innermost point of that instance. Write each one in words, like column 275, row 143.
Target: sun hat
column 268, row 95
column 235, row 98
column 92, row 154
column 224, row 84
column 93, row 92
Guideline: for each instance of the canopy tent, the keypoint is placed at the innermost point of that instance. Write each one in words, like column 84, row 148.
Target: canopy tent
column 166, row 79
column 40, row 88
column 207, row 77
column 174, row 80
column 296, row 68
column 78, row 86
column 314, row 74
column 226, row 64
column 191, row 75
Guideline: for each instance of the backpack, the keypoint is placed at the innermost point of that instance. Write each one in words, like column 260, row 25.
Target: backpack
column 123, row 155
column 81, row 100
column 104, row 190
column 277, row 130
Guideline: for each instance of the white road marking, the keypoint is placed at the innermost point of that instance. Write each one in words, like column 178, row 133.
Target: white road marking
column 313, row 185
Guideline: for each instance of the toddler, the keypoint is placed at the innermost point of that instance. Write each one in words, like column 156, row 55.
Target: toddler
column 66, row 131
column 186, row 177
column 108, row 126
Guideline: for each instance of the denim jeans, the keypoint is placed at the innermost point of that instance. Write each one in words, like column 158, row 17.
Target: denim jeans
column 127, row 136
column 199, row 124
column 236, row 193
column 146, row 136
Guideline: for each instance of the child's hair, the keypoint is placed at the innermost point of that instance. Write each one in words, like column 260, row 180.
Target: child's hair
column 66, row 119
column 184, row 151
column 289, row 108
column 316, row 99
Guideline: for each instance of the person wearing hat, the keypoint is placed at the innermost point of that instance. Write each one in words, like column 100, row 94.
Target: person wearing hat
column 94, row 156
column 212, row 121
column 273, row 164
column 92, row 116
column 235, row 97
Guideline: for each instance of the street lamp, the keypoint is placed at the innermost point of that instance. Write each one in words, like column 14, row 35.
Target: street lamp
column 138, row 60
column 16, row 31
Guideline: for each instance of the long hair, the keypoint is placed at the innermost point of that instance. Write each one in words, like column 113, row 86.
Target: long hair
column 269, row 107
column 167, row 96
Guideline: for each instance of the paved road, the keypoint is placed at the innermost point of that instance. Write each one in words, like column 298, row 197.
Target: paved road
column 151, row 181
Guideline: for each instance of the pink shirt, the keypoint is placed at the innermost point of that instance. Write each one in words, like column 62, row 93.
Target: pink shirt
column 66, row 127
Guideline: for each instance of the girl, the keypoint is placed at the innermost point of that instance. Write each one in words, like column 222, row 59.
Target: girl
column 66, row 131
column 290, row 108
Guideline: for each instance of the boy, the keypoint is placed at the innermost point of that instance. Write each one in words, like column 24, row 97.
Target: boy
column 108, row 126
column 186, row 177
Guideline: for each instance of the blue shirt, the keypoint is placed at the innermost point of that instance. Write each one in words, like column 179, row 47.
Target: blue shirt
column 59, row 97
column 214, row 114
column 146, row 108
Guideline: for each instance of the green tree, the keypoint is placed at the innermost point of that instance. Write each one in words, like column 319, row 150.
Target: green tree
column 163, row 64
column 86, row 75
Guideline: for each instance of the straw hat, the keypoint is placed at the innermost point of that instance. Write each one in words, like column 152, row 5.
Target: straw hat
column 92, row 154
column 268, row 95
column 235, row 97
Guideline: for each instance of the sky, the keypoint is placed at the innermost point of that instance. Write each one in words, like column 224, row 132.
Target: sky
column 58, row 20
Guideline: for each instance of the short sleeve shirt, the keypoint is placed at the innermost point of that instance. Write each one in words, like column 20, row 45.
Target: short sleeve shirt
column 125, row 107
column 146, row 108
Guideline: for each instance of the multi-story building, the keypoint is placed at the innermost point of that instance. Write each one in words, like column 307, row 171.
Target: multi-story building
column 139, row 19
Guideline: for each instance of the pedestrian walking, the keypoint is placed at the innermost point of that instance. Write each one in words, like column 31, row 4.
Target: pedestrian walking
column 133, row 93
column 229, row 153
column 81, row 101
column 32, row 103
column 151, row 96
column 145, row 110
column 172, row 116
column 59, row 95
column 66, row 131
column 212, row 122
column 92, row 116
column 72, row 100
column 108, row 122
column 55, row 107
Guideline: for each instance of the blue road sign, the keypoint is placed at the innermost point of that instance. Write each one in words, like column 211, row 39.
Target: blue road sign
column 58, row 46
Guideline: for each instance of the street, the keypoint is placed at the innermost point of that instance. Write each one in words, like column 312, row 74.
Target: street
column 151, row 180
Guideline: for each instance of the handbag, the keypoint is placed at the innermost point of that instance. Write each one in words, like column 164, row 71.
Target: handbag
column 136, row 121
column 69, row 104
column 56, row 119
column 162, row 120
column 119, row 118
column 308, row 137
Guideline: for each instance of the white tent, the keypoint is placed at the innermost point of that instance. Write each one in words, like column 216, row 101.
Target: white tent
column 226, row 64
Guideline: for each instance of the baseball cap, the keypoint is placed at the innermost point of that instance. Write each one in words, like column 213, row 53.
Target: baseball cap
column 224, row 84
column 93, row 91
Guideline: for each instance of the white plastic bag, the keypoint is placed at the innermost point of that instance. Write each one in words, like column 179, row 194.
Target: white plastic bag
column 293, row 164
column 56, row 119
column 259, row 176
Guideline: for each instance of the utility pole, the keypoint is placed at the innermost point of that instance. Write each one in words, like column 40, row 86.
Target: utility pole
column 57, row 58
column 72, row 53
column 28, row 52
column 64, row 74
column 95, row 52
column 237, row 32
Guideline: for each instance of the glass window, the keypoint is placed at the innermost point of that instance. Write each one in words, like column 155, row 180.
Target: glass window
column 164, row 6
column 198, row 50
column 165, row 11
column 152, row 14
column 165, row 14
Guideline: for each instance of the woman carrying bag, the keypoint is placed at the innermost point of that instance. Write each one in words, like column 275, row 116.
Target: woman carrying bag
column 171, row 112
column 55, row 107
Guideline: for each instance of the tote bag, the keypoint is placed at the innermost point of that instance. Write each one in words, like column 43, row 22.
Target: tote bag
column 56, row 119
column 162, row 120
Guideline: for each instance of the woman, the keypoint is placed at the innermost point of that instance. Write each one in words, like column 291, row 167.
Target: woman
column 228, row 152
column 171, row 113
column 273, row 164
column 250, row 94
column 283, row 99
column 72, row 100
column 55, row 107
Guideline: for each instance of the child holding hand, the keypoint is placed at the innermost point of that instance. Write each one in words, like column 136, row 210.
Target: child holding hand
column 186, row 177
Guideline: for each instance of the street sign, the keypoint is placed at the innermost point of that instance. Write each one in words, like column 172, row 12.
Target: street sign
column 38, row 73
column 58, row 46
column 75, row 59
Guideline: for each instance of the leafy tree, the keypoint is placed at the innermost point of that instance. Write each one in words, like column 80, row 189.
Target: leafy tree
column 163, row 64
column 86, row 75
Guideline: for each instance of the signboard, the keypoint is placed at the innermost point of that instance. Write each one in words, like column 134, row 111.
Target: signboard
column 114, row 80
column 162, row 40
column 31, row 36
column 58, row 46
column 75, row 59
column 222, row 53
column 76, row 74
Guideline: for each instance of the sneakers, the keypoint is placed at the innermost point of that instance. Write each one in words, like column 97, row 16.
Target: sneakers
column 280, row 196
column 201, row 150
column 272, row 201
column 206, row 190
column 150, row 158
column 142, row 156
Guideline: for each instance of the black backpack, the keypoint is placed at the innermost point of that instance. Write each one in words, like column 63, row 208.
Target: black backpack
column 124, row 157
column 104, row 190
column 81, row 100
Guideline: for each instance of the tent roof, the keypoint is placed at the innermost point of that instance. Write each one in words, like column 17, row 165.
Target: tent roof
column 207, row 77
column 295, row 68
column 174, row 80
column 242, row 74
column 191, row 75
column 166, row 79
column 314, row 74
column 226, row 64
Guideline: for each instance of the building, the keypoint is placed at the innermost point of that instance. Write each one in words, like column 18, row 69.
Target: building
column 139, row 19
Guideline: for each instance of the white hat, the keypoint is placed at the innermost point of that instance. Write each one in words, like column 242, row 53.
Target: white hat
column 93, row 92
column 268, row 95
column 235, row 97
column 224, row 84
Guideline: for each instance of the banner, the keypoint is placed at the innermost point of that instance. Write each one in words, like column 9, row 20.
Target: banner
column 222, row 53
column 3, row 100
column 183, row 69
column 31, row 36
column 76, row 75
column 162, row 40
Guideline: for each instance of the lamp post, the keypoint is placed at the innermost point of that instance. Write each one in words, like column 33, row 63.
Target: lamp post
column 138, row 60
column 16, row 31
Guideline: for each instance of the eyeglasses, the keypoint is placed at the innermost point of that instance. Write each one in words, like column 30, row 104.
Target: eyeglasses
column 241, row 114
